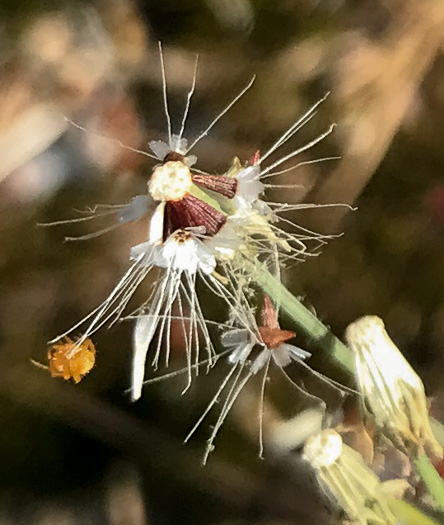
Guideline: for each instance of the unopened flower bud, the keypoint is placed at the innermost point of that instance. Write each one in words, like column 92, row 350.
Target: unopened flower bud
column 392, row 393
column 346, row 480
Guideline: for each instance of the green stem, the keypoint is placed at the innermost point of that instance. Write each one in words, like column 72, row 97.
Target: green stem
column 306, row 322
column 431, row 478
column 309, row 325
column 408, row 514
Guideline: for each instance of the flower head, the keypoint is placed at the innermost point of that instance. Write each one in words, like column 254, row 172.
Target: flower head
column 204, row 226
column 392, row 393
column 251, row 348
column 270, row 339
column 64, row 363
column 263, row 225
column 346, row 480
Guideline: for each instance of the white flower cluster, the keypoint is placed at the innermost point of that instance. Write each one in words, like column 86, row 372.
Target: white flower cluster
column 208, row 227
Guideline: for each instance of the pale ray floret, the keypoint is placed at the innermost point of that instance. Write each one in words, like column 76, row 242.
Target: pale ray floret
column 252, row 349
column 177, row 146
column 184, row 257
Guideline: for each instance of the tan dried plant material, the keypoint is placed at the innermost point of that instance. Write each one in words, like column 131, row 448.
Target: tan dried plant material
column 69, row 362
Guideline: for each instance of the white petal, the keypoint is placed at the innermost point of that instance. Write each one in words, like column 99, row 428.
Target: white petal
column 190, row 160
column 249, row 174
column 135, row 209
column 178, row 144
column 241, row 353
column 156, row 225
column 206, row 260
column 189, row 256
column 296, row 352
column 178, row 256
column 235, row 337
column 159, row 148
column 149, row 252
column 143, row 334
column 263, row 208
column 249, row 184
column 260, row 361
column 281, row 356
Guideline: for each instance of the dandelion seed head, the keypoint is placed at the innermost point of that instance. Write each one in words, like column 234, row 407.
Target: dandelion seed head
column 170, row 181
column 323, row 449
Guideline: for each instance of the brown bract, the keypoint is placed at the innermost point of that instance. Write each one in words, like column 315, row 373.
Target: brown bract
column 270, row 331
column 191, row 211
column 76, row 366
column 226, row 186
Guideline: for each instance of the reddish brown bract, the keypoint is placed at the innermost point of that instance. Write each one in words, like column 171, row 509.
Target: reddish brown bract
column 274, row 337
column 255, row 158
column 189, row 212
column 226, row 186
column 270, row 331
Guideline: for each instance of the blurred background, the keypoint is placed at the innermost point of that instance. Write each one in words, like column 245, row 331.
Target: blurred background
column 81, row 454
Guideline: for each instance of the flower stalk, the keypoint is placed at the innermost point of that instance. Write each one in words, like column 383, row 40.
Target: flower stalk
column 431, row 479
column 306, row 322
column 409, row 515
